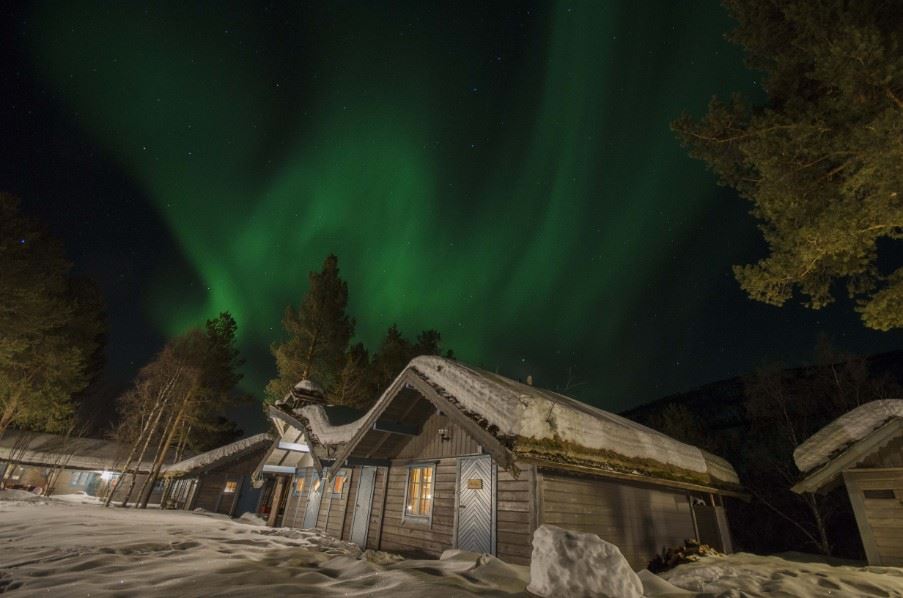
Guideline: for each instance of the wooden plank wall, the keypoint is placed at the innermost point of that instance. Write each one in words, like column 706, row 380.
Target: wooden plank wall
column 332, row 508
column 639, row 520
column 514, row 521
column 296, row 506
column 376, row 512
column 411, row 537
column 428, row 444
column 350, row 497
column 880, row 520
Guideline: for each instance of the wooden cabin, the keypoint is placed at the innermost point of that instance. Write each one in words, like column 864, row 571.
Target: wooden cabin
column 455, row 457
column 289, row 472
column 863, row 449
column 218, row 480
column 71, row 465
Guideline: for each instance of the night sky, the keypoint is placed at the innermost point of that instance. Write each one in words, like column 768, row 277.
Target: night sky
column 505, row 174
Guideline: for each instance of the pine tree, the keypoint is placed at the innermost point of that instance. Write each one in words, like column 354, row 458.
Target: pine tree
column 50, row 327
column 396, row 351
column 820, row 161
column 352, row 387
column 319, row 332
column 177, row 400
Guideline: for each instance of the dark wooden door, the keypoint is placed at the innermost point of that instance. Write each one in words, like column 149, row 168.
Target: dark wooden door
column 475, row 504
column 362, row 504
column 313, row 500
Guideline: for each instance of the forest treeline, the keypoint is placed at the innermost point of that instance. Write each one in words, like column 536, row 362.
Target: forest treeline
column 52, row 337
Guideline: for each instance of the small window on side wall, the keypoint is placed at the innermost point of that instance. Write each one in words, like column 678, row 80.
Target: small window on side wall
column 419, row 492
column 299, row 486
column 231, row 487
column 879, row 494
column 338, row 484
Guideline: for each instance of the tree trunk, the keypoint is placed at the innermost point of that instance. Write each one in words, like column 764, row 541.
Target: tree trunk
column 152, row 476
column 148, row 435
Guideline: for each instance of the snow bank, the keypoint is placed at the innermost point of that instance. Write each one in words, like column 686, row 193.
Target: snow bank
column 751, row 575
column 844, row 431
column 527, row 413
column 205, row 460
column 579, row 565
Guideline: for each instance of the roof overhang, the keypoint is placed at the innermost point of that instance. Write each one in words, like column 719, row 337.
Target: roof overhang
column 827, row 476
column 410, row 379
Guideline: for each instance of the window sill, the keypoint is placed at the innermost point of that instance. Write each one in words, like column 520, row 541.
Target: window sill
column 415, row 521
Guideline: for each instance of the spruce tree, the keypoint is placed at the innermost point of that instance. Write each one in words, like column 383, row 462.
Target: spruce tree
column 49, row 327
column 820, row 159
column 318, row 334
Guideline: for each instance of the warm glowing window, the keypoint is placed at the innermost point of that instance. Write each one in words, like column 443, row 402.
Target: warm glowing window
column 231, row 487
column 338, row 484
column 419, row 501
column 299, row 486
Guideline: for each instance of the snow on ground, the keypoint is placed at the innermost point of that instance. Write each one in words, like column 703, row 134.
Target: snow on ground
column 61, row 547
column 744, row 574
column 64, row 548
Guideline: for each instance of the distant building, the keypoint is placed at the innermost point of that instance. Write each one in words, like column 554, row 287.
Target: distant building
column 69, row 465
column 218, row 480
column 455, row 457
column 862, row 449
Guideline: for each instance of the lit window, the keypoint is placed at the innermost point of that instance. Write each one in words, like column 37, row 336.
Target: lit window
column 17, row 473
column 299, row 486
column 231, row 487
column 338, row 484
column 419, row 501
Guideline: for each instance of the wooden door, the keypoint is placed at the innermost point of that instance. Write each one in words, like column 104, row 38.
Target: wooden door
column 314, row 495
column 475, row 504
column 361, row 518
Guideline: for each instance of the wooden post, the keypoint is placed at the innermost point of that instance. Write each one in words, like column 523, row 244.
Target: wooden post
column 277, row 500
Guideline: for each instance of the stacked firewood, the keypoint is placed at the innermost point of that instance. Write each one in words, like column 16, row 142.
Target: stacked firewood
column 691, row 551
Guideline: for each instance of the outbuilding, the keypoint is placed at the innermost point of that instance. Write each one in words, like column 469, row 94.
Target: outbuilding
column 452, row 456
column 862, row 449
column 218, row 480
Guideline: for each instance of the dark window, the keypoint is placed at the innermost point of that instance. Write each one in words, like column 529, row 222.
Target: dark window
column 879, row 494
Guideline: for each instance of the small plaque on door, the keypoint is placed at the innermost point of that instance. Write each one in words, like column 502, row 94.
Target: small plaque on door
column 475, row 484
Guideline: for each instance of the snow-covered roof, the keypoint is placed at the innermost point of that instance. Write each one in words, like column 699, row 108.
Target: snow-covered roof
column 545, row 425
column 214, row 457
column 55, row 450
column 320, row 426
column 847, row 429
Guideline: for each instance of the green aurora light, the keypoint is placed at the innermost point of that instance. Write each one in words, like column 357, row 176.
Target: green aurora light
column 520, row 191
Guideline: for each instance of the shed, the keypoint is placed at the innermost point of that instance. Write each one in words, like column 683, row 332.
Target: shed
column 451, row 456
column 218, row 480
column 862, row 449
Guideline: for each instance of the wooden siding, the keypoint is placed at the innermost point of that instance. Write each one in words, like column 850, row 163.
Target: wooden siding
column 350, row 497
column 376, row 512
column 428, row 444
column 419, row 537
column 515, row 522
column 880, row 520
column 209, row 494
column 332, row 508
column 296, row 506
column 639, row 520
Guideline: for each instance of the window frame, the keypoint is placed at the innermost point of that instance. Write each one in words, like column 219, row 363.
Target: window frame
column 343, row 473
column 302, row 480
column 419, row 519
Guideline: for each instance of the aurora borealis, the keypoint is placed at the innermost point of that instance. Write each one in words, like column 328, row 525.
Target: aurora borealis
column 504, row 174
